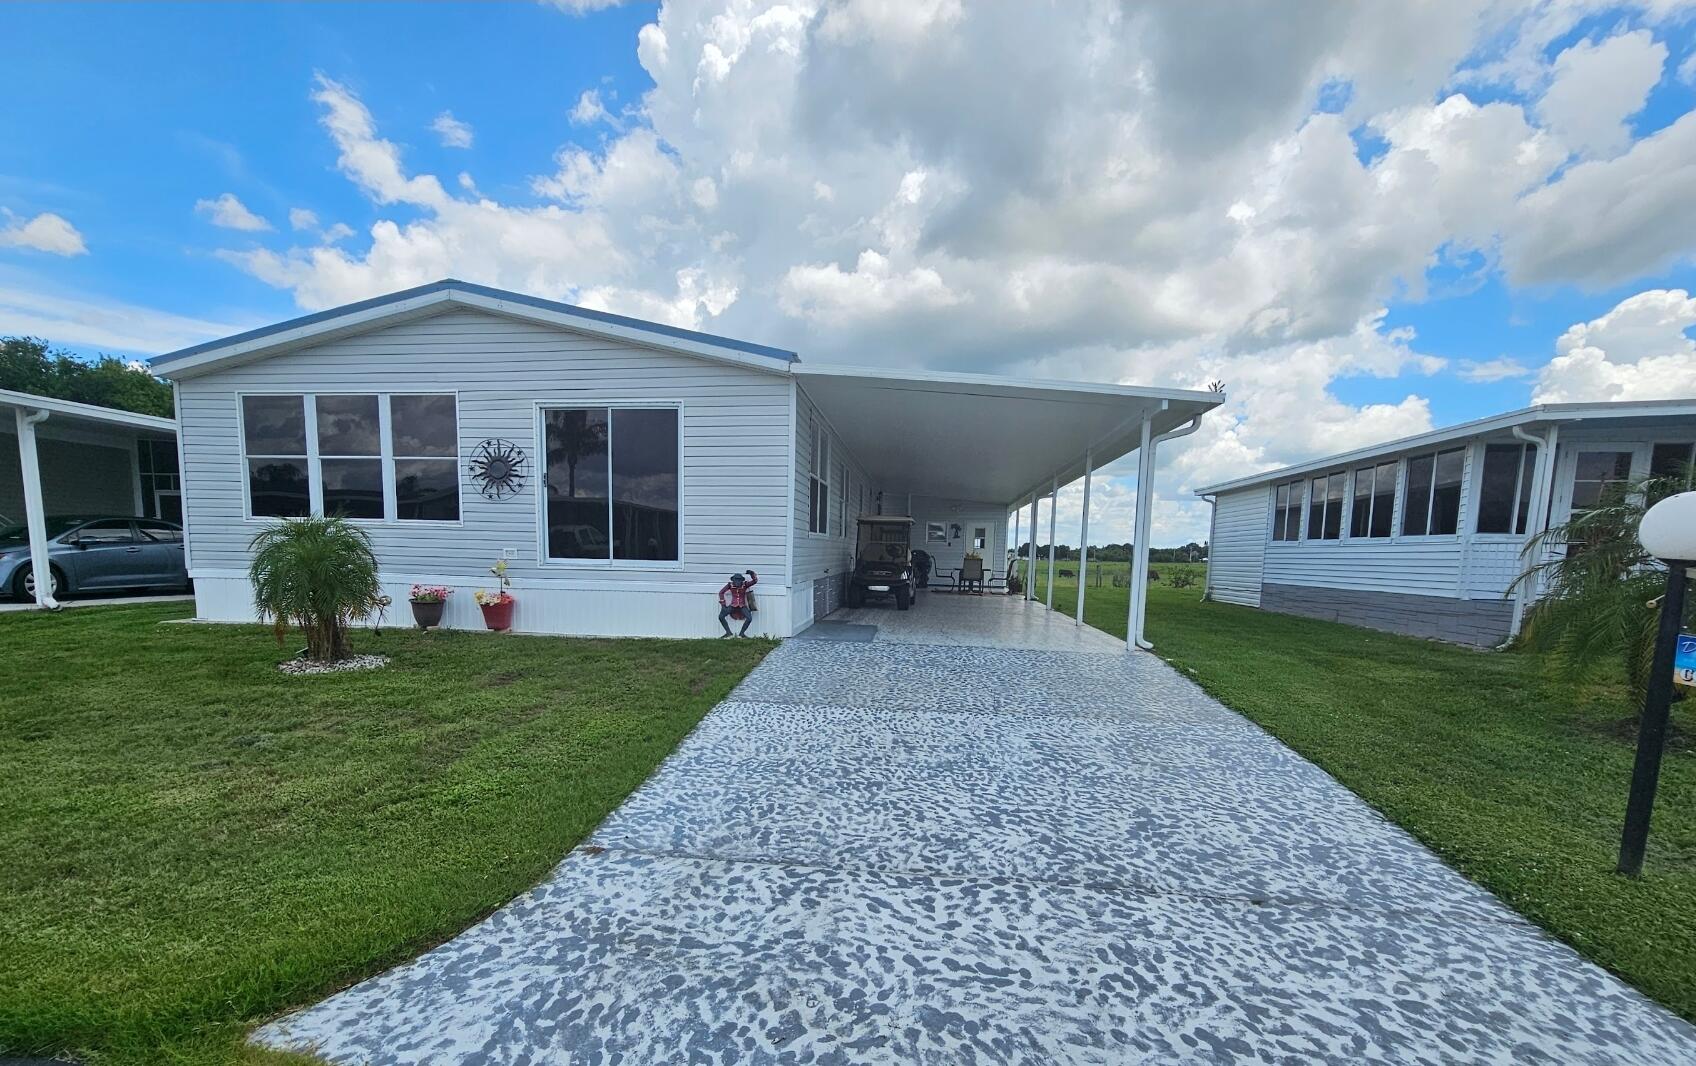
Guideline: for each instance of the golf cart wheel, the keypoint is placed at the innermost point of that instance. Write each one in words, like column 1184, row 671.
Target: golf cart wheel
column 903, row 597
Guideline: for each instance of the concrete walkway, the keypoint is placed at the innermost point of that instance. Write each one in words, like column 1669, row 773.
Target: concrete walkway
column 893, row 851
column 118, row 600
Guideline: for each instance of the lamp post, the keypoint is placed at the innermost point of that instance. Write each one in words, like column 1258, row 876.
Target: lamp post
column 1668, row 532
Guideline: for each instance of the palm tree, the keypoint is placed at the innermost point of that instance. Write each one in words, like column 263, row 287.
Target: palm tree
column 318, row 574
column 1601, row 589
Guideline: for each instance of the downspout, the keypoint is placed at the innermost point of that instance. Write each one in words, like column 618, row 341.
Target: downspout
column 1542, row 491
column 1145, row 519
column 35, row 515
column 1212, row 530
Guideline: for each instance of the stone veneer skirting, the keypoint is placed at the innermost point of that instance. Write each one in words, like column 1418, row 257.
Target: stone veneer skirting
column 1482, row 623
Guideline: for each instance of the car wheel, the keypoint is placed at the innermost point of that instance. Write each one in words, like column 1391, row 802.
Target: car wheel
column 903, row 597
column 23, row 586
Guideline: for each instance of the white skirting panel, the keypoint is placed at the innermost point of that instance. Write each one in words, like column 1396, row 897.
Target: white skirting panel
column 587, row 612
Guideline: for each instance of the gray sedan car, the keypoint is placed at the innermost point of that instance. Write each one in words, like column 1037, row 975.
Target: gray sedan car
column 96, row 554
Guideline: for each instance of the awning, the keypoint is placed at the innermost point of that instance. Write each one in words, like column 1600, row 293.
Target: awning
column 973, row 437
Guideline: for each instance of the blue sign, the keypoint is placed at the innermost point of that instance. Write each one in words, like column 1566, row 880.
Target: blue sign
column 1684, row 660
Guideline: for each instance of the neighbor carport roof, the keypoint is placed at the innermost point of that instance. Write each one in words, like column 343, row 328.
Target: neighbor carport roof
column 977, row 437
column 85, row 411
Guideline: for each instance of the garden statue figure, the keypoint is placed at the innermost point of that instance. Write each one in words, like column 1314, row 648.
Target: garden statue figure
column 735, row 600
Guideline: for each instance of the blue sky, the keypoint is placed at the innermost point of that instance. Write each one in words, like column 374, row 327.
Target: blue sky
column 1367, row 225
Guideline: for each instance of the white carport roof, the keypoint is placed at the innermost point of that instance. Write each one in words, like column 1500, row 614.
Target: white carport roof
column 83, row 412
column 976, row 437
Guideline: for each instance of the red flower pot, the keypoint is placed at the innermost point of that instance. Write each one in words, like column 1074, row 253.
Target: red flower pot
column 498, row 616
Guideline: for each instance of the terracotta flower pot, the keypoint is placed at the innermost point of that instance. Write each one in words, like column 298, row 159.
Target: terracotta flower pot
column 428, row 613
column 498, row 616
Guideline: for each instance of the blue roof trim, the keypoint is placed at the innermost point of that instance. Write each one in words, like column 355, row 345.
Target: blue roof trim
column 446, row 284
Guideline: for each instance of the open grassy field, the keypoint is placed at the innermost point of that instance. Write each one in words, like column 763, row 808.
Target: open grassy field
column 1516, row 779
column 194, row 841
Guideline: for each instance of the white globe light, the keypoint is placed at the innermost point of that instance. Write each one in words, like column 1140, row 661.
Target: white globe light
column 1668, row 531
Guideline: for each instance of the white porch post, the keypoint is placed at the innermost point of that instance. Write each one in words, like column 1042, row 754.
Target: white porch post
column 1053, row 513
column 1083, row 536
column 35, row 516
column 1030, row 556
column 1542, row 491
column 1140, row 534
column 1018, row 531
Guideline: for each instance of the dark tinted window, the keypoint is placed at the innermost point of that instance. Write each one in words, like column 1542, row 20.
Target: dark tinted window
column 160, row 532
column 427, row 490
column 1673, row 460
column 424, row 426
column 644, row 484
column 274, row 425
column 1594, row 473
column 277, row 488
column 348, row 425
column 109, row 531
column 1416, row 505
column 353, row 488
column 1383, row 500
column 577, row 488
column 1445, row 494
column 1499, row 487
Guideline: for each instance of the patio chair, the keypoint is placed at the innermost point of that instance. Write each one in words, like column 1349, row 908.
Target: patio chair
column 971, row 576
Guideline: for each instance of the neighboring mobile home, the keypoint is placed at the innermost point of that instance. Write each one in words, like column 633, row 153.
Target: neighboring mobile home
column 1426, row 535
column 648, row 462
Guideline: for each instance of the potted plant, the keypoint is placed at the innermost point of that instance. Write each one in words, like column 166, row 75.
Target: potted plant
column 497, row 605
column 428, row 602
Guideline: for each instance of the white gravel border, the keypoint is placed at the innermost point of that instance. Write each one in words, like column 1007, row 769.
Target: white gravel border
column 302, row 667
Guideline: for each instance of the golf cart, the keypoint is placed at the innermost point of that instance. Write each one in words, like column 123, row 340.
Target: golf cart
column 883, row 560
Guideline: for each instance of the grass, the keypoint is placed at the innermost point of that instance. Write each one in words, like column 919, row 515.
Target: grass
column 1516, row 779
column 194, row 842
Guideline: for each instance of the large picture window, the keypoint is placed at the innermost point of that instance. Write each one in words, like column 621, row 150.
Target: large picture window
column 1286, row 511
column 1432, row 504
column 364, row 456
column 1504, row 488
column 1325, row 508
column 612, row 483
column 1374, row 501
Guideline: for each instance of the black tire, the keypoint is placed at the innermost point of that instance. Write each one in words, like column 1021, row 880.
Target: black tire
column 20, row 584
column 903, row 597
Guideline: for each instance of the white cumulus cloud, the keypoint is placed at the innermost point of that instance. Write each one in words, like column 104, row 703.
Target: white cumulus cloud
column 229, row 212
column 453, row 132
column 1640, row 350
column 46, row 232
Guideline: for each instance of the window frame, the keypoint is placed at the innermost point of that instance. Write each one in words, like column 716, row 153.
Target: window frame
column 1525, row 474
column 1325, row 507
column 1353, row 491
column 1299, row 485
column 819, row 525
column 539, row 442
column 385, row 445
column 1404, row 483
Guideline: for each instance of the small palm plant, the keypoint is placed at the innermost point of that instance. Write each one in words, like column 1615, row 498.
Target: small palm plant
column 319, row 575
column 1600, row 599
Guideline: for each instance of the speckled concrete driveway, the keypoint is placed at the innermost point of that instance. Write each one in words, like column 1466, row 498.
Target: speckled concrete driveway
column 910, row 852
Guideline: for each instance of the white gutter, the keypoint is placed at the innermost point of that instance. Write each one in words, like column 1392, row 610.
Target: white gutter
column 35, row 517
column 1543, row 478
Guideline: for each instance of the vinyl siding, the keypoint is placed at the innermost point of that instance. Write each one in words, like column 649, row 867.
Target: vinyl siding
column 1236, row 558
column 824, row 559
column 734, row 428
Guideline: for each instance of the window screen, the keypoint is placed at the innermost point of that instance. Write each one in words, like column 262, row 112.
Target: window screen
column 1432, row 504
column 612, row 483
column 1504, row 488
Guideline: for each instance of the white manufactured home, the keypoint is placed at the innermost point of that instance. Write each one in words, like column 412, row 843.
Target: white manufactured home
column 623, row 469
column 1426, row 535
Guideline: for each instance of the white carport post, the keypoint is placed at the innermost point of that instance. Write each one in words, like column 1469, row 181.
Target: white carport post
column 1145, row 526
column 1018, row 532
column 1053, row 513
column 1139, row 535
column 1030, row 556
column 35, row 517
column 1083, row 536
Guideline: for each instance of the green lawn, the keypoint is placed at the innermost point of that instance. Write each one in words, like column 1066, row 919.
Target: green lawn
column 1517, row 780
column 194, row 841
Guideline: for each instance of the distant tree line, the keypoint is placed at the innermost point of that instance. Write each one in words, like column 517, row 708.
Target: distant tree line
column 28, row 364
column 1121, row 553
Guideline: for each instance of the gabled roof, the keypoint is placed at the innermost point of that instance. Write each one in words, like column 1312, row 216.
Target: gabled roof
column 431, row 299
column 1539, row 413
column 87, row 412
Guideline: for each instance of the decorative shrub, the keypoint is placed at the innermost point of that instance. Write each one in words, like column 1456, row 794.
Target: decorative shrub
column 430, row 593
column 318, row 575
